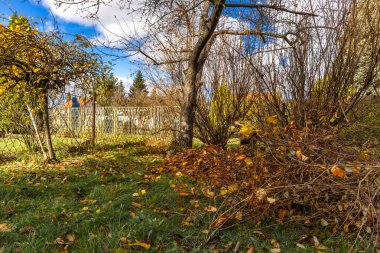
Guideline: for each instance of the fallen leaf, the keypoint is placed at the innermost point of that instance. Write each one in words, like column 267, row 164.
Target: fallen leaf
column 300, row 246
column 248, row 162
column 271, row 200
column 183, row 194
column 275, row 246
column 5, row 227
column 324, row 223
column 261, row 194
column 251, row 249
column 223, row 191
column 220, row 221
column 299, row 154
column 27, row 230
column 282, row 214
column 104, row 247
column 140, row 244
column 263, row 235
column 137, row 205
column 336, row 171
column 60, row 241
column 212, row 209
column 62, row 250
column 70, row 237
column 208, row 193
column 241, row 158
column 239, row 216
column 232, row 188
column 272, row 119
column 132, row 214
column 124, row 240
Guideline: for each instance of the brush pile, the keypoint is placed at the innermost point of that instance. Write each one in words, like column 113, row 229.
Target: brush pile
column 291, row 176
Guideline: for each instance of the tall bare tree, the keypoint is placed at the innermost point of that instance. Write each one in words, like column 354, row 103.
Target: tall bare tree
column 186, row 31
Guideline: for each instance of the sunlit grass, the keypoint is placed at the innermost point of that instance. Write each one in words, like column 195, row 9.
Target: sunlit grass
column 91, row 197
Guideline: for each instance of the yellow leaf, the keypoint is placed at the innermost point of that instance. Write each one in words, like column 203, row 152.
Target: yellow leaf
column 261, row 193
column 211, row 209
column 271, row 200
column 232, row 188
column 183, row 194
column 208, row 193
column 239, row 215
column 5, row 227
column 248, row 162
column 140, row 244
column 132, row 214
column 247, row 131
column 85, row 208
column 186, row 224
column 272, row 119
column 299, row 154
column 143, row 192
column 223, row 191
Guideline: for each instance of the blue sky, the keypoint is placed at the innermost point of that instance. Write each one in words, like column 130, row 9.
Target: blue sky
column 123, row 69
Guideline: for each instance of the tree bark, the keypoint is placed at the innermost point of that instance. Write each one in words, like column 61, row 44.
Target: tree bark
column 196, row 62
column 47, row 124
column 187, row 109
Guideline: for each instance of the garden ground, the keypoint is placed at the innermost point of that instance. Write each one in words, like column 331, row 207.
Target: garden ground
column 109, row 201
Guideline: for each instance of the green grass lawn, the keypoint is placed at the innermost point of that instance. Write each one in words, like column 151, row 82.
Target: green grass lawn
column 105, row 200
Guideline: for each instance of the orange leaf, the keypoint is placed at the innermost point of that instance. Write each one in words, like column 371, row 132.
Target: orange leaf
column 282, row 214
column 220, row 221
column 137, row 205
column 241, row 158
column 336, row 171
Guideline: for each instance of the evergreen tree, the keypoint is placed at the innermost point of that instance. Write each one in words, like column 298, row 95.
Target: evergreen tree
column 138, row 87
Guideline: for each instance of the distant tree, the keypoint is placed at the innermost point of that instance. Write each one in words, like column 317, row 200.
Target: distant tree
column 110, row 91
column 138, row 87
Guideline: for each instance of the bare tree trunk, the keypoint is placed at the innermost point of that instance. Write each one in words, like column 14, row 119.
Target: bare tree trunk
column 47, row 124
column 196, row 62
column 93, row 123
column 37, row 133
column 187, row 109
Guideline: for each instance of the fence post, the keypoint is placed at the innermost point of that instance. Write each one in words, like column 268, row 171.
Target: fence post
column 69, row 119
column 115, row 121
column 93, row 120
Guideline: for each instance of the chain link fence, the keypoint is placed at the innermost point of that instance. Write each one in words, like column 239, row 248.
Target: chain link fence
column 75, row 127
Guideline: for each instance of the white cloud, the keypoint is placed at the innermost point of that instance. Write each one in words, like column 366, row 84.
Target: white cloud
column 113, row 23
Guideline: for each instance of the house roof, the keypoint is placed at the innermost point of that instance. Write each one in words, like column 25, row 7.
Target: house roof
column 74, row 102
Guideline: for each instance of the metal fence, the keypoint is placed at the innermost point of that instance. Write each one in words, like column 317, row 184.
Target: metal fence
column 72, row 127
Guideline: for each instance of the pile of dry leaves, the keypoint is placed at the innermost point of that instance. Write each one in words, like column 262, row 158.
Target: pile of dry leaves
column 293, row 177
